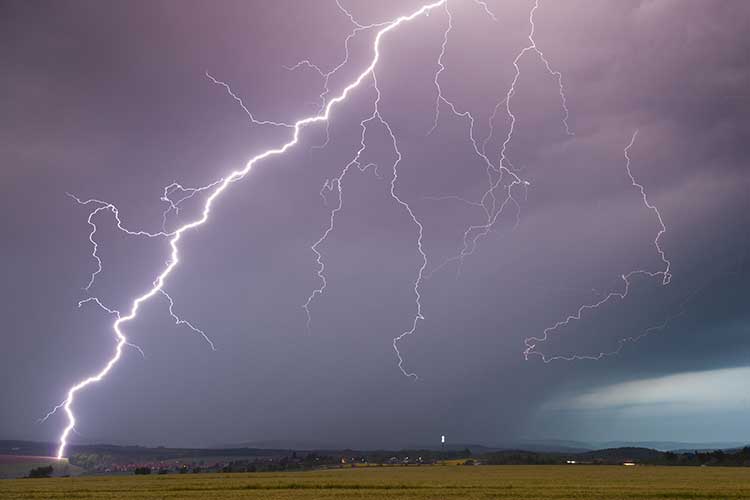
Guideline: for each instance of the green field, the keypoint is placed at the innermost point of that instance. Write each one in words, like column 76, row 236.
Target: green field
column 436, row 482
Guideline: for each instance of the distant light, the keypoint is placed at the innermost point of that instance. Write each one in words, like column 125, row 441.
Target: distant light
column 442, row 439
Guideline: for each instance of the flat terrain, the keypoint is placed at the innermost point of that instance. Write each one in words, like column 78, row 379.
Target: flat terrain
column 436, row 482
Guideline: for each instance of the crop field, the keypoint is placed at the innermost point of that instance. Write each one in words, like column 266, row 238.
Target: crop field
column 427, row 482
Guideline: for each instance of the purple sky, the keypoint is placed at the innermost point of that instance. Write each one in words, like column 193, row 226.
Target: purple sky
column 109, row 100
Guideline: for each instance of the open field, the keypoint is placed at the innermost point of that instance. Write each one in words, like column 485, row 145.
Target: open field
column 436, row 482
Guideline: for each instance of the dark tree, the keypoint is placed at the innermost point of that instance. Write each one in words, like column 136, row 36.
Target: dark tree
column 41, row 471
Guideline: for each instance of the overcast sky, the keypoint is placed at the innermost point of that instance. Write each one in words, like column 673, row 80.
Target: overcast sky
column 110, row 100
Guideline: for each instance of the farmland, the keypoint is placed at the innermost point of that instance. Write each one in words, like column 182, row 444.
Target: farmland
column 426, row 482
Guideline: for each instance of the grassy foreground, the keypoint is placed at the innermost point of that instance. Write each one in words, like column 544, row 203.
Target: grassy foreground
column 436, row 482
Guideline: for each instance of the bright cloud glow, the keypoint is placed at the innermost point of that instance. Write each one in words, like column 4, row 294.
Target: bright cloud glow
column 690, row 391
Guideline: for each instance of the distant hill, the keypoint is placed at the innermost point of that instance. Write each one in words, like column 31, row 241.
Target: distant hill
column 643, row 455
column 550, row 446
column 573, row 446
column 537, row 445
column 675, row 445
column 276, row 444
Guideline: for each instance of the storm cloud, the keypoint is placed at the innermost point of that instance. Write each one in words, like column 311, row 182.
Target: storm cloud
column 110, row 100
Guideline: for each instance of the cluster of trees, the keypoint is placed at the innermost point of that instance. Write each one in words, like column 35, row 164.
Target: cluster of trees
column 414, row 455
column 41, row 472
column 314, row 460
column 738, row 458
column 287, row 463
column 521, row 458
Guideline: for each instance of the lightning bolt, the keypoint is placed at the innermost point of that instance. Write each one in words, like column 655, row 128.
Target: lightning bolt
column 337, row 184
column 214, row 192
column 330, row 185
column 113, row 312
column 174, row 203
column 496, row 173
column 253, row 120
column 420, row 275
column 179, row 321
column 666, row 276
column 102, row 206
column 502, row 183
column 326, row 75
